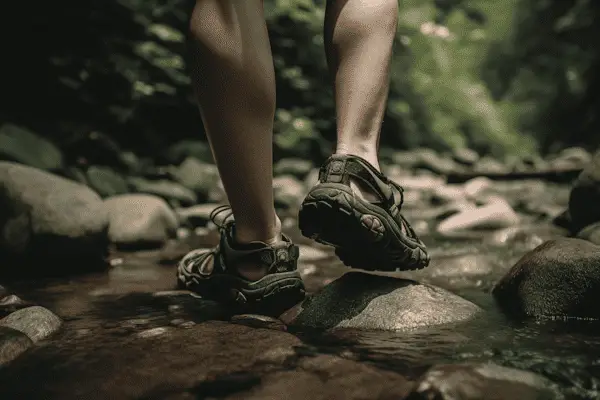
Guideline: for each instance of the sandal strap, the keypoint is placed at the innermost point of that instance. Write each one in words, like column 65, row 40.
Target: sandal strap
column 340, row 167
column 280, row 257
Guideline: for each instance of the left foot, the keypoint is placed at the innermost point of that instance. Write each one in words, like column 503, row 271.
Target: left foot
column 214, row 273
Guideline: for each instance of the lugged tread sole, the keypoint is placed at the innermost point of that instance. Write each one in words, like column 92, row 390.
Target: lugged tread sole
column 359, row 232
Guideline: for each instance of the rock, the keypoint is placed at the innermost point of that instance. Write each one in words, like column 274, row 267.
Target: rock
column 312, row 178
column 25, row 147
column 431, row 161
column 12, row 303
column 482, row 381
column 168, row 190
column 12, row 344
column 36, row 322
column 106, row 182
column 490, row 165
column 497, row 213
column 197, row 176
column 465, row 156
column 474, row 187
column 75, row 174
column 288, row 191
column 591, row 233
column 178, row 152
column 196, row 216
column 140, row 221
column 50, row 218
column 95, row 148
column 408, row 159
column 296, row 167
column 560, row 278
column 563, row 220
column 572, row 157
column 365, row 301
column 585, row 196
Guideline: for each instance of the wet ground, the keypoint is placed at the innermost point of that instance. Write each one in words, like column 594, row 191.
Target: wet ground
column 127, row 336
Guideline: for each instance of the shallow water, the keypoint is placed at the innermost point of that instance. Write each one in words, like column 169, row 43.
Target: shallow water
column 105, row 313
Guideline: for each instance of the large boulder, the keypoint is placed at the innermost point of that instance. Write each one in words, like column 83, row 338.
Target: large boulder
column 139, row 221
column 585, row 196
column 36, row 322
column 366, row 301
column 559, row 278
column 23, row 146
column 44, row 217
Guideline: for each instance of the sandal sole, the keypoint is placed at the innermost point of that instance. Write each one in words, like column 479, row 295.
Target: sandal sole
column 361, row 233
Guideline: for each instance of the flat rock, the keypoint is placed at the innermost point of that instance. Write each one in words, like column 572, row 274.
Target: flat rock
column 36, row 322
column 23, row 146
column 585, row 196
column 140, row 221
column 560, row 278
column 47, row 217
column 482, row 381
column 12, row 344
column 365, row 301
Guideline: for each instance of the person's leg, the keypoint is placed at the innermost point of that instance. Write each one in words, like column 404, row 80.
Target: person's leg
column 358, row 40
column 233, row 76
column 232, row 70
column 354, row 207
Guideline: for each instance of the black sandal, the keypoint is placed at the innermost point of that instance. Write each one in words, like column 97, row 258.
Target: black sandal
column 279, row 290
column 370, row 236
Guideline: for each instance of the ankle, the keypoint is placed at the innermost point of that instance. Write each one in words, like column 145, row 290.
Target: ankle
column 269, row 234
column 365, row 152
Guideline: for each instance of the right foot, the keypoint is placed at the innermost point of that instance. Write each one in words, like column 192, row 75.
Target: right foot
column 366, row 235
column 214, row 273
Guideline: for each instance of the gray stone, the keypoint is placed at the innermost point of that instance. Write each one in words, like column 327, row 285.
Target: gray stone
column 591, row 233
column 585, row 196
column 482, row 381
column 12, row 344
column 197, row 176
column 168, row 190
column 366, row 301
column 140, row 221
column 106, row 182
column 23, row 146
column 560, row 278
column 36, row 322
column 48, row 217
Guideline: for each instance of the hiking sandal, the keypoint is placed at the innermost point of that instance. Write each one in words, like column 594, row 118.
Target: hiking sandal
column 365, row 235
column 279, row 290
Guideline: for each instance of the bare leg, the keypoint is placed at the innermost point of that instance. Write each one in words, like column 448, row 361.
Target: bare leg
column 235, row 82
column 358, row 37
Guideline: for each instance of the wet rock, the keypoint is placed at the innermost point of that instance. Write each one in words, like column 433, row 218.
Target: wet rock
column 12, row 344
column 140, row 221
column 465, row 156
column 36, row 322
column 591, row 233
column 296, row 167
column 178, row 152
column 50, row 218
column 482, row 381
column 12, row 303
column 585, row 196
column 325, row 377
column 198, row 176
column 105, row 181
column 195, row 216
column 560, row 278
column 23, row 146
column 365, row 301
column 288, row 191
column 497, row 213
column 172, row 192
